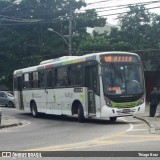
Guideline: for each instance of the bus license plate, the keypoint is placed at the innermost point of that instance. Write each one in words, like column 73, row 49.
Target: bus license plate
column 126, row 110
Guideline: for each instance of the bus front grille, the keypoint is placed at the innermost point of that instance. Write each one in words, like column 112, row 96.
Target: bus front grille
column 125, row 98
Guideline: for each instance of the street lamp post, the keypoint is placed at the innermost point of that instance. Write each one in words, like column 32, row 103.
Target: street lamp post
column 68, row 43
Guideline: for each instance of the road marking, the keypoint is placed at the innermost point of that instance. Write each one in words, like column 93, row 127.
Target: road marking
column 130, row 125
column 85, row 144
column 140, row 124
column 92, row 143
column 140, row 136
column 117, row 138
column 130, row 128
column 135, row 130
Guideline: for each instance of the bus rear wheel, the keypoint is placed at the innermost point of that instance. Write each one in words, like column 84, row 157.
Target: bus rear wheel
column 34, row 109
column 80, row 114
column 113, row 119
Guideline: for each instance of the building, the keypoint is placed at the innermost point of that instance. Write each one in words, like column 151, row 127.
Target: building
column 107, row 28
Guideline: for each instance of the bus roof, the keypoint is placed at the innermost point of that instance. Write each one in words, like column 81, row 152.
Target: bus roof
column 66, row 60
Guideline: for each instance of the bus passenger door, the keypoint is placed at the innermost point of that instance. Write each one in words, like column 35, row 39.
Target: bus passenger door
column 19, row 93
column 91, row 83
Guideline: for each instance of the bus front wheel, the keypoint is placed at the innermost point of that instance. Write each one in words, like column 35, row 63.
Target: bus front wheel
column 34, row 109
column 80, row 114
column 113, row 119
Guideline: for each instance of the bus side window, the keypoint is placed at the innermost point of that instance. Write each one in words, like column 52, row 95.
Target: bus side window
column 26, row 80
column 49, row 78
column 69, row 79
column 35, row 80
column 76, row 75
column 55, row 79
column 41, row 77
column 61, row 76
column 31, row 80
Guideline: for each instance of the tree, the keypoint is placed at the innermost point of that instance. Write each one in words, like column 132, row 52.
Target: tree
column 38, row 15
column 135, row 26
column 25, row 40
column 139, row 32
column 154, row 32
column 116, row 41
column 93, row 43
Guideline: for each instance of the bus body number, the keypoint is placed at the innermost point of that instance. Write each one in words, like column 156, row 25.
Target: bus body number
column 69, row 95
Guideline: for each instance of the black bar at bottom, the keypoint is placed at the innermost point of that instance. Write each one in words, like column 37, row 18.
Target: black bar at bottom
column 39, row 154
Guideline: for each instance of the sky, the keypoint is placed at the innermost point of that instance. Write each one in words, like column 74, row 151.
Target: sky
column 108, row 4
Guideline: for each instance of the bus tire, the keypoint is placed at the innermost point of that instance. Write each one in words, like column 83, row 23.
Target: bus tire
column 34, row 110
column 113, row 119
column 80, row 114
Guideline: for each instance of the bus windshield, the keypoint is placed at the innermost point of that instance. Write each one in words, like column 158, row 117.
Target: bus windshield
column 122, row 79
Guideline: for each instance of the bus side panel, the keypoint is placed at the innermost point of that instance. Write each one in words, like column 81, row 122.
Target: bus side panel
column 80, row 93
column 64, row 99
column 54, row 104
column 38, row 96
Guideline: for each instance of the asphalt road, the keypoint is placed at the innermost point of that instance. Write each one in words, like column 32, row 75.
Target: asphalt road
column 56, row 133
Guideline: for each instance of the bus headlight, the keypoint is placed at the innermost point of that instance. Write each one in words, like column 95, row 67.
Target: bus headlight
column 141, row 100
column 108, row 102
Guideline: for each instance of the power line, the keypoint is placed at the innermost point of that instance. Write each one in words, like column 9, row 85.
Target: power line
column 141, row 3
column 133, row 3
column 126, row 12
column 98, row 2
column 20, row 21
column 124, row 7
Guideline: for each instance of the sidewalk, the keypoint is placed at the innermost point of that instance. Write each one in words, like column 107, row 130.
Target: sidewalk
column 153, row 122
column 9, row 122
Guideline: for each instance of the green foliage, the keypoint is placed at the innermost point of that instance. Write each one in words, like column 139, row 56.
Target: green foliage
column 25, row 40
column 139, row 32
column 135, row 26
column 91, row 43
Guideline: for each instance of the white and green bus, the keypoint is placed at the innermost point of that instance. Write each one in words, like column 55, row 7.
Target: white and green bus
column 99, row 85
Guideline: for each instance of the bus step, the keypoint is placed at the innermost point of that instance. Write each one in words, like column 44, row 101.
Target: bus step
column 91, row 115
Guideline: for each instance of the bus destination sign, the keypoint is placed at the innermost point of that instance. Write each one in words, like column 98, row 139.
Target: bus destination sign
column 120, row 58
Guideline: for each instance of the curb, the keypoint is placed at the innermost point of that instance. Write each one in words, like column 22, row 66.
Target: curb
column 10, row 125
column 152, row 127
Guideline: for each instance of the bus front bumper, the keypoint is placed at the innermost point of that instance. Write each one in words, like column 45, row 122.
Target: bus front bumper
column 120, row 112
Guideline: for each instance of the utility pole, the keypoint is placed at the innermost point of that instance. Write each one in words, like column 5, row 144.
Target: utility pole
column 70, row 32
column 70, row 36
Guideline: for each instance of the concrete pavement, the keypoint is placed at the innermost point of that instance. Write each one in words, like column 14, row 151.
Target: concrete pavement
column 153, row 122
column 7, row 121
